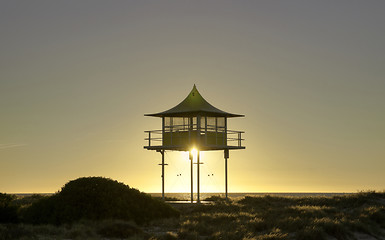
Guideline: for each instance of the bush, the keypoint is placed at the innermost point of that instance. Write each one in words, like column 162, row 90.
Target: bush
column 8, row 213
column 14, row 231
column 217, row 199
column 97, row 198
column 26, row 201
column 118, row 229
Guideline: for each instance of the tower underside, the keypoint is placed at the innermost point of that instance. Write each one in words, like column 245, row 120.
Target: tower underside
column 186, row 149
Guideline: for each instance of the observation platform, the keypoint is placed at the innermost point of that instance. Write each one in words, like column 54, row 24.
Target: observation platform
column 203, row 140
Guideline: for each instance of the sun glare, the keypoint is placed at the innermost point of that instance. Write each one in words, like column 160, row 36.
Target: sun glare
column 194, row 151
column 193, row 154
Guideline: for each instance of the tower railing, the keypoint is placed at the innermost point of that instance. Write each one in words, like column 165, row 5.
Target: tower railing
column 209, row 137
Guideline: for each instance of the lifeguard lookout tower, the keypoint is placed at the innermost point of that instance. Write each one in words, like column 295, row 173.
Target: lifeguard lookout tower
column 194, row 124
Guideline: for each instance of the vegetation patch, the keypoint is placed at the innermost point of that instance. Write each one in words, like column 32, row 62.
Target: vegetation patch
column 118, row 229
column 96, row 198
column 8, row 212
column 354, row 216
column 271, row 217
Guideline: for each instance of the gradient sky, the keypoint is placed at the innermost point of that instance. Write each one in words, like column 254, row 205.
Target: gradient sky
column 76, row 78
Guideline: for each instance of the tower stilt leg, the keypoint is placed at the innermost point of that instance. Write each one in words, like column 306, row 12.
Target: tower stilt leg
column 198, row 163
column 192, row 189
column 162, row 164
column 226, row 157
column 162, row 152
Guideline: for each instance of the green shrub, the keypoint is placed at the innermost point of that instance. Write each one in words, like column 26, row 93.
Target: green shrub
column 311, row 232
column 332, row 227
column 26, row 201
column 377, row 214
column 14, row 231
column 118, row 229
column 276, row 234
column 217, row 199
column 168, row 236
column 8, row 213
column 97, row 198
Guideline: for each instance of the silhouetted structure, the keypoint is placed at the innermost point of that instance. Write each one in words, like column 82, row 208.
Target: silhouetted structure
column 194, row 123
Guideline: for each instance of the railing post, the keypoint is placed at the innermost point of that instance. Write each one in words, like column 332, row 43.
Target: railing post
column 163, row 129
column 171, row 129
column 239, row 139
column 216, row 131
column 225, row 133
column 149, row 138
column 206, row 130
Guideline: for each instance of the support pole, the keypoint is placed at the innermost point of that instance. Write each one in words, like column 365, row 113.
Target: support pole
column 192, row 164
column 163, row 175
column 226, row 157
column 162, row 164
column 198, row 163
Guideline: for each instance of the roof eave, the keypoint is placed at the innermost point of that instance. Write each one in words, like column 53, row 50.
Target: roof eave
column 188, row 114
column 194, row 104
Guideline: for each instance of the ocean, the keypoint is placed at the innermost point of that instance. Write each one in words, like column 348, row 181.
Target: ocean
column 235, row 196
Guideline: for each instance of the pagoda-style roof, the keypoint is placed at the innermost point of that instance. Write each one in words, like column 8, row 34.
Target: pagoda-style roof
column 194, row 104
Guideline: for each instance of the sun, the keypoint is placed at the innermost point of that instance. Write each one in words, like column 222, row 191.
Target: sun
column 194, row 151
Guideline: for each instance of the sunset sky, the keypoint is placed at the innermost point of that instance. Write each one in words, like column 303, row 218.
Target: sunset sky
column 77, row 77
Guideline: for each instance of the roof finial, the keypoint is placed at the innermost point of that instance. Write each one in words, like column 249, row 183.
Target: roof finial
column 194, row 90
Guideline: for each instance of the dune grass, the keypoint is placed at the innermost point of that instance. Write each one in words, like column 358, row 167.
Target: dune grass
column 287, row 218
column 106, row 229
column 249, row 218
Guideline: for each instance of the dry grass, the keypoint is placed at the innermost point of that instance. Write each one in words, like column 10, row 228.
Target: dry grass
column 287, row 218
column 250, row 218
